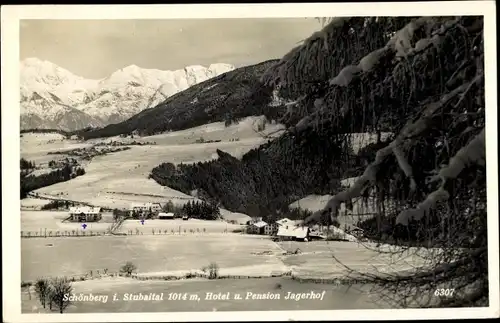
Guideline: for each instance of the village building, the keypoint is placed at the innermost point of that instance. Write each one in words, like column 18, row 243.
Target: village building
column 255, row 219
column 293, row 232
column 285, row 221
column 85, row 214
column 145, row 207
column 156, row 207
column 165, row 216
column 257, row 228
column 271, row 229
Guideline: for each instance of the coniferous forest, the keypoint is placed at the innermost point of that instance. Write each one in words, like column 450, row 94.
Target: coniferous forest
column 30, row 182
column 420, row 78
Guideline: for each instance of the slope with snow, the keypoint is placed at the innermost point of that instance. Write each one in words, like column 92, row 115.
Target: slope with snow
column 52, row 97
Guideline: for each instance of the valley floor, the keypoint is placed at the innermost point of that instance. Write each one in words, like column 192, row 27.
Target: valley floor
column 159, row 257
column 161, row 248
column 335, row 297
column 117, row 179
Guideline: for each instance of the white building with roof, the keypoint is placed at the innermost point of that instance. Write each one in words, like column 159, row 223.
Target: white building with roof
column 285, row 221
column 166, row 216
column 145, row 207
column 257, row 227
column 85, row 214
column 293, row 232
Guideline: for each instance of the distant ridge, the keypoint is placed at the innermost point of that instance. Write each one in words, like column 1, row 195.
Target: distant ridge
column 227, row 97
column 53, row 97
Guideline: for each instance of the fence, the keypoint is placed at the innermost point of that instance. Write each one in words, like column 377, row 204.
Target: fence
column 340, row 281
column 170, row 232
column 44, row 233
column 102, row 273
column 60, row 199
column 91, row 274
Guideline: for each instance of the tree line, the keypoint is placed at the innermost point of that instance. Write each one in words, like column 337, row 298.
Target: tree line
column 268, row 178
column 201, row 210
column 30, row 183
column 53, row 293
column 27, row 165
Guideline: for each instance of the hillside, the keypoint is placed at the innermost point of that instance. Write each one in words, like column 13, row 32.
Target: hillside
column 298, row 163
column 423, row 82
column 268, row 178
column 228, row 97
column 426, row 83
column 53, row 97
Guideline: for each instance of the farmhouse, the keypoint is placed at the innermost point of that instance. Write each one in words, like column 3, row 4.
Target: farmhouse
column 285, row 221
column 271, row 229
column 165, row 216
column 145, row 207
column 257, row 227
column 85, row 214
column 293, row 232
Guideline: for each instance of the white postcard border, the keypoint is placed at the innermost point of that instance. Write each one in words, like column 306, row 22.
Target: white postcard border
column 11, row 16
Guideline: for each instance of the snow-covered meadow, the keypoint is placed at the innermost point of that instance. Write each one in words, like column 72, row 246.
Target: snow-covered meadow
column 117, row 179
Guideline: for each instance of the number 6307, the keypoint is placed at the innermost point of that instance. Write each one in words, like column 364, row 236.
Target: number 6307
column 444, row 292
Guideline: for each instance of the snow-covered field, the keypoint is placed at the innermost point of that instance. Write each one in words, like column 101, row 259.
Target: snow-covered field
column 172, row 254
column 117, row 179
column 177, row 225
column 239, row 218
column 39, row 221
column 36, row 146
column 335, row 297
column 36, row 221
column 33, row 203
column 328, row 259
column 151, row 254
column 35, row 138
column 245, row 129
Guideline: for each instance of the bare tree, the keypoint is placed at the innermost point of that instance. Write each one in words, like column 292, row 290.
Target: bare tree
column 61, row 289
column 50, row 296
column 128, row 268
column 213, row 270
column 42, row 289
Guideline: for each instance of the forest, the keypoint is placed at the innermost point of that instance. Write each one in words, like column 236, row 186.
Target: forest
column 420, row 78
column 268, row 178
column 30, row 182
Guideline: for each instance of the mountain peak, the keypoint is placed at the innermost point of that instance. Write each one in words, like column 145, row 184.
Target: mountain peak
column 39, row 64
column 132, row 67
column 115, row 98
column 32, row 61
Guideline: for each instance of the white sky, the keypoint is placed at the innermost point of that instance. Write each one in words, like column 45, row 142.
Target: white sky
column 96, row 48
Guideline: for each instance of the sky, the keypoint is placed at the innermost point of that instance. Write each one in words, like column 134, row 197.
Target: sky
column 96, row 48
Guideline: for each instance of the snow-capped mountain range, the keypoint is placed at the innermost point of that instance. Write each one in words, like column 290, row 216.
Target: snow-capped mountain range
column 52, row 97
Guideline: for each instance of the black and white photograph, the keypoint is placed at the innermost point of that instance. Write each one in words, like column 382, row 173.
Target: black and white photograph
column 250, row 162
